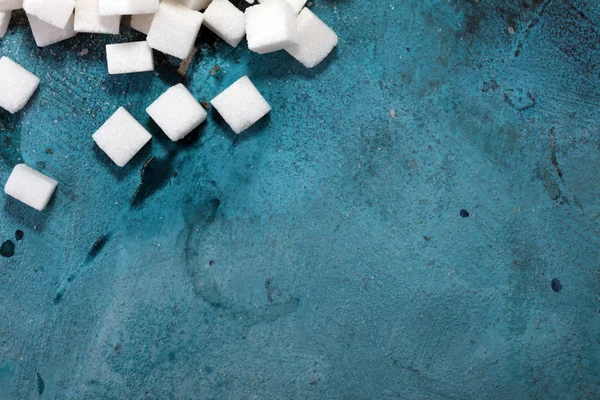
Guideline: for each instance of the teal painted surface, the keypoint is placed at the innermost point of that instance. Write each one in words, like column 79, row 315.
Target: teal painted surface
column 322, row 254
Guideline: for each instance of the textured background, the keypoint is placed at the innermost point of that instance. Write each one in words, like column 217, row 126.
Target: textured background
column 321, row 254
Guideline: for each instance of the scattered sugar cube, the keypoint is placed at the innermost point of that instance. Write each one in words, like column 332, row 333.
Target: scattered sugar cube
column 17, row 85
column 54, row 12
column 142, row 22
column 226, row 21
column 45, row 34
column 317, row 40
column 30, row 187
column 8, row 5
column 88, row 20
column 195, row 4
column 121, row 137
column 4, row 20
column 174, row 29
column 271, row 26
column 241, row 105
column 125, row 58
column 295, row 4
column 127, row 7
column 177, row 112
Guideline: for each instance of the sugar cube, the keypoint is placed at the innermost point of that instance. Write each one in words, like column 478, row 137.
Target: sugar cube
column 45, row 34
column 241, row 105
column 174, row 29
column 195, row 4
column 316, row 41
column 127, row 7
column 121, row 137
column 30, row 186
column 4, row 20
column 142, row 22
column 17, row 85
column 226, row 21
column 125, row 58
column 88, row 20
column 8, row 5
column 271, row 26
column 54, row 12
column 295, row 4
column 177, row 112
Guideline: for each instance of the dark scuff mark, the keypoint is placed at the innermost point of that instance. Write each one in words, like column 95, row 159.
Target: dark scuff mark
column 58, row 297
column 156, row 172
column 7, row 249
column 41, row 385
column 549, row 183
column 98, row 246
column 553, row 157
column 556, row 285
column 269, row 289
column 555, row 163
column 519, row 99
column 577, row 202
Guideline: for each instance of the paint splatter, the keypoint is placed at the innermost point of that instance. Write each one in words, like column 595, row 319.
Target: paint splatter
column 7, row 249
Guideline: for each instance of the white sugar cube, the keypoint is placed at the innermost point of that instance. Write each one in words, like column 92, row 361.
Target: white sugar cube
column 45, row 34
column 142, row 22
column 241, row 105
column 316, row 41
column 88, row 20
column 125, row 58
column 54, row 12
column 174, row 29
column 127, row 7
column 196, row 4
column 270, row 26
column 177, row 112
column 121, row 137
column 30, row 187
column 4, row 20
column 7, row 5
column 17, row 85
column 226, row 21
column 295, row 4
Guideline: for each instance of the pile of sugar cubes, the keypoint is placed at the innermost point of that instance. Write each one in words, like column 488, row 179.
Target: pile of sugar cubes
column 171, row 27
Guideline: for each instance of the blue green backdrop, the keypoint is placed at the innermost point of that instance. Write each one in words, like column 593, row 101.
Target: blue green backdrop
column 323, row 253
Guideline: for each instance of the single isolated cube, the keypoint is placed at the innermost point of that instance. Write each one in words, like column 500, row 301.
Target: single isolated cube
column 196, row 4
column 125, row 58
column 4, row 20
column 54, row 12
column 127, row 7
column 270, row 26
column 16, row 85
column 174, row 29
column 141, row 22
column 88, row 20
column 45, row 34
column 226, row 21
column 177, row 112
column 241, row 105
column 121, row 137
column 295, row 4
column 8, row 5
column 316, row 41
column 30, row 187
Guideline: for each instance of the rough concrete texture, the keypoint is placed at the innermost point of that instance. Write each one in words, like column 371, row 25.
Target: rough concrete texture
column 322, row 254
